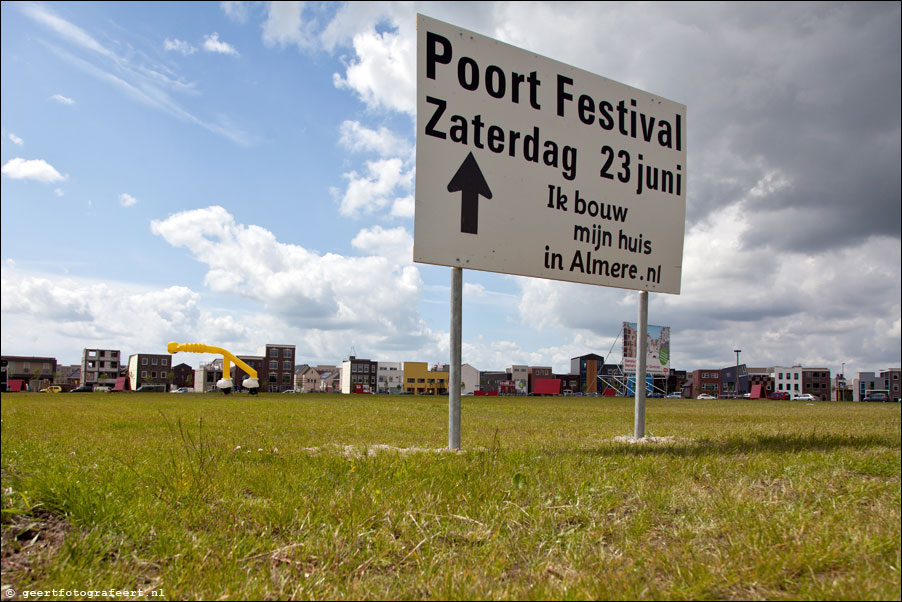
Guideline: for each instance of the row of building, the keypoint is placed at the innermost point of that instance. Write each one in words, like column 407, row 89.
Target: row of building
column 277, row 371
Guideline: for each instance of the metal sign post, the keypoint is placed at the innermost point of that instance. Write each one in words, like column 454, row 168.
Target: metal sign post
column 641, row 352
column 454, row 385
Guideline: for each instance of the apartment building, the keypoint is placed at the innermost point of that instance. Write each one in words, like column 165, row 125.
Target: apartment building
column 420, row 380
column 358, row 375
column 864, row 384
column 184, row 375
column 890, row 379
column 761, row 377
column 519, row 376
column 734, row 380
column 492, row 381
column 306, row 379
column 277, row 374
column 207, row 375
column 100, row 366
column 816, row 381
column 675, row 381
column 389, row 377
column 589, row 368
column 705, row 381
column 34, row 372
column 149, row 369
column 787, row 379
column 538, row 373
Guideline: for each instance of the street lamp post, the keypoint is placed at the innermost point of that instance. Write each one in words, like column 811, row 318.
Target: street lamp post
column 737, row 352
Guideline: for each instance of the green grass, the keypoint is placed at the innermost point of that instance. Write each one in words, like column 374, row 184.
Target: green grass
column 352, row 497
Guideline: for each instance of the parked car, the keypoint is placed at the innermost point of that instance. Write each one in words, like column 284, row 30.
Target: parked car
column 184, row 390
column 705, row 396
column 674, row 396
column 151, row 389
column 805, row 397
column 102, row 389
column 778, row 395
column 52, row 389
column 83, row 389
column 289, row 391
column 876, row 397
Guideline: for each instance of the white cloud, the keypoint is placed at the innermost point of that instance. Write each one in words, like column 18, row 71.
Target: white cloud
column 384, row 73
column 147, row 85
column 356, row 137
column 127, row 200
column 395, row 244
column 403, row 206
column 212, row 43
column 34, row 169
column 375, row 296
column 59, row 192
column 472, row 289
column 179, row 46
column 373, row 191
column 15, row 139
column 68, row 314
column 236, row 11
column 285, row 25
column 64, row 28
column 63, row 100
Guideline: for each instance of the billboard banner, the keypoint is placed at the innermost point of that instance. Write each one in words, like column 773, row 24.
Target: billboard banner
column 657, row 359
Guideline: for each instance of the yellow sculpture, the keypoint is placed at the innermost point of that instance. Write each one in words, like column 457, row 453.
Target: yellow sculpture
column 252, row 384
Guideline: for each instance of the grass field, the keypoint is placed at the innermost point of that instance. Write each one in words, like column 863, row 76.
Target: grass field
column 199, row 496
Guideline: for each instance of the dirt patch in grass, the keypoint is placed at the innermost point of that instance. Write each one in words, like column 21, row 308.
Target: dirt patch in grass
column 360, row 451
column 648, row 440
column 28, row 539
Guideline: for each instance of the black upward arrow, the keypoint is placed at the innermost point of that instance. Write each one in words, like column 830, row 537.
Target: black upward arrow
column 470, row 181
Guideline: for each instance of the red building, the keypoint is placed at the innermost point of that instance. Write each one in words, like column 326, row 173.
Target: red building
column 705, row 381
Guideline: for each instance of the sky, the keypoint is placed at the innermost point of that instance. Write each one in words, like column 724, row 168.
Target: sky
column 243, row 173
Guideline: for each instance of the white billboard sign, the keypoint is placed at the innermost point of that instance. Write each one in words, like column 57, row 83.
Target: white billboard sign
column 529, row 166
column 657, row 349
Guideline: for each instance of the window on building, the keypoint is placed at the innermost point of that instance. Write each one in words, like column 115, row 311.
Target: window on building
column 273, row 365
column 143, row 373
column 155, row 361
column 143, row 361
column 286, row 366
column 273, row 353
column 286, row 353
column 164, row 361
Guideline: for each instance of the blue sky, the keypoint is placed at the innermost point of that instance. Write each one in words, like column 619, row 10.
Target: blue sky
column 243, row 173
